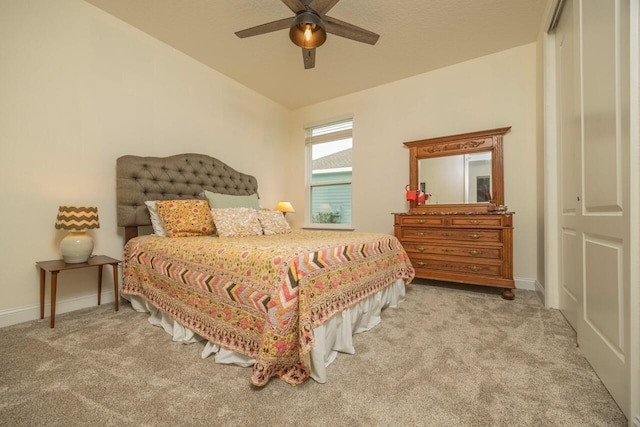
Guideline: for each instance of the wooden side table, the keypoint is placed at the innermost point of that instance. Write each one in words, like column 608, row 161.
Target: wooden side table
column 58, row 265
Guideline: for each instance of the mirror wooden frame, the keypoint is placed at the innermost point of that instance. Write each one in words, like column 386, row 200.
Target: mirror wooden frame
column 466, row 143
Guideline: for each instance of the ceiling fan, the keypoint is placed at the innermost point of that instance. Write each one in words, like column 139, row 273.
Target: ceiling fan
column 309, row 28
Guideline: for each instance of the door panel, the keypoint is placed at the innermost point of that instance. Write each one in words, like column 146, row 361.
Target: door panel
column 602, row 304
column 599, row 101
column 570, row 286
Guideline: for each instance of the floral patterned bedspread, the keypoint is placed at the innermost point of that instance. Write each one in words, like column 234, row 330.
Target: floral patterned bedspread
column 263, row 295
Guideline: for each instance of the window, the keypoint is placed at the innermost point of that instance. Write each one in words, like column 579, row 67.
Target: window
column 328, row 150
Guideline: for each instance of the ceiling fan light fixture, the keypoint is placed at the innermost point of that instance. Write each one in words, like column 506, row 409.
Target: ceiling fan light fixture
column 307, row 30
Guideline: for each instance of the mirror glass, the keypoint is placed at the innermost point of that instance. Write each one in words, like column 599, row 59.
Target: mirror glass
column 463, row 178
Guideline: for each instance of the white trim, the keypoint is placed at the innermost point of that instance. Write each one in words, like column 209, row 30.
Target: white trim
column 341, row 135
column 14, row 316
column 327, row 183
column 551, row 196
column 554, row 16
column 328, row 226
column 634, row 209
column 335, row 119
column 333, row 170
column 525, row 283
column 541, row 292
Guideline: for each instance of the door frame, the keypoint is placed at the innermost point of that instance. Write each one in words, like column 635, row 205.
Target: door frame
column 551, row 184
column 551, row 158
column 634, row 200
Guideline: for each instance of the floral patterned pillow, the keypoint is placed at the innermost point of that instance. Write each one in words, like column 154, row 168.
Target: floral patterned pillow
column 183, row 218
column 236, row 222
column 273, row 222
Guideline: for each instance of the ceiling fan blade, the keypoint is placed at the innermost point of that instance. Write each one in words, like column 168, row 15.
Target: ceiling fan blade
column 323, row 6
column 265, row 28
column 349, row 31
column 295, row 5
column 309, row 58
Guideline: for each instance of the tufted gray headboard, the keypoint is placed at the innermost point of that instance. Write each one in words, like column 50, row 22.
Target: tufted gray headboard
column 182, row 176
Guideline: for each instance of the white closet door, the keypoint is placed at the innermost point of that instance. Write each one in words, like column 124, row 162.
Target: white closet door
column 592, row 60
column 603, row 312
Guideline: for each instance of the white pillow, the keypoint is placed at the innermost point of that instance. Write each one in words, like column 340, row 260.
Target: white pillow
column 156, row 222
column 236, row 222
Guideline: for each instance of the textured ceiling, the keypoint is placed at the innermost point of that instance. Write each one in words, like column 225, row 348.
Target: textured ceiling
column 416, row 36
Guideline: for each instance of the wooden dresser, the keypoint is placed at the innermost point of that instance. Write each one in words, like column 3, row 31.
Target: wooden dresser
column 467, row 247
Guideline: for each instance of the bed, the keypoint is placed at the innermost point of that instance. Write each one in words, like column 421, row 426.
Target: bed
column 283, row 303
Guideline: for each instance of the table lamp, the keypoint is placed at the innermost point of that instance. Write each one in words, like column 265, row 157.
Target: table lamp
column 284, row 207
column 77, row 246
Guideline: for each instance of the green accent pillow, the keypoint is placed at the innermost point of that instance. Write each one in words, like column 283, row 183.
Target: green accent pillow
column 222, row 201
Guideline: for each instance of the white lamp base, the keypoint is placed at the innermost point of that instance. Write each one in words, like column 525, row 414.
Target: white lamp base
column 76, row 247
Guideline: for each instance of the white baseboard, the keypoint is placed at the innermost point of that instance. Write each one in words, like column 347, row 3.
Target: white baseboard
column 526, row 284
column 32, row 312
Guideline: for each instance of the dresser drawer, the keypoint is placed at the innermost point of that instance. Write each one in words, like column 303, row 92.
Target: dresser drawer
column 470, row 268
column 460, row 251
column 444, row 234
column 476, row 221
column 467, row 221
column 422, row 221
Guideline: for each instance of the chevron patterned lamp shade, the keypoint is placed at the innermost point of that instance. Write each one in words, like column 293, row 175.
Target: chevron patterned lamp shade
column 77, row 246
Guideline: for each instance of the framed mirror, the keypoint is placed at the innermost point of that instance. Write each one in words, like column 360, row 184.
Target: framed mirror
column 460, row 173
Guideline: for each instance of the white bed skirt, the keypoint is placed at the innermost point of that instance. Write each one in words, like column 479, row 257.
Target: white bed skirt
column 331, row 338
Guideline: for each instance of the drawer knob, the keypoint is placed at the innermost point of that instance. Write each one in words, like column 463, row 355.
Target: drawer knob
column 421, row 221
column 421, row 234
column 474, row 267
column 474, row 236
column 474, row 253
column 446, row 234
column 474, row 222
column 421, row 248
column 420, row 264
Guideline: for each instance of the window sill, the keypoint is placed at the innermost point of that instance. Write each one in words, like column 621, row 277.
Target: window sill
column 341, row 227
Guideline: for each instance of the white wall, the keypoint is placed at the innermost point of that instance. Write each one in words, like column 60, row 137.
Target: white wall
column 78, row 89
column 485, row 93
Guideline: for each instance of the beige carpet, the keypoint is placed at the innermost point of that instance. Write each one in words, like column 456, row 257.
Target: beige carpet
column 445, row 357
